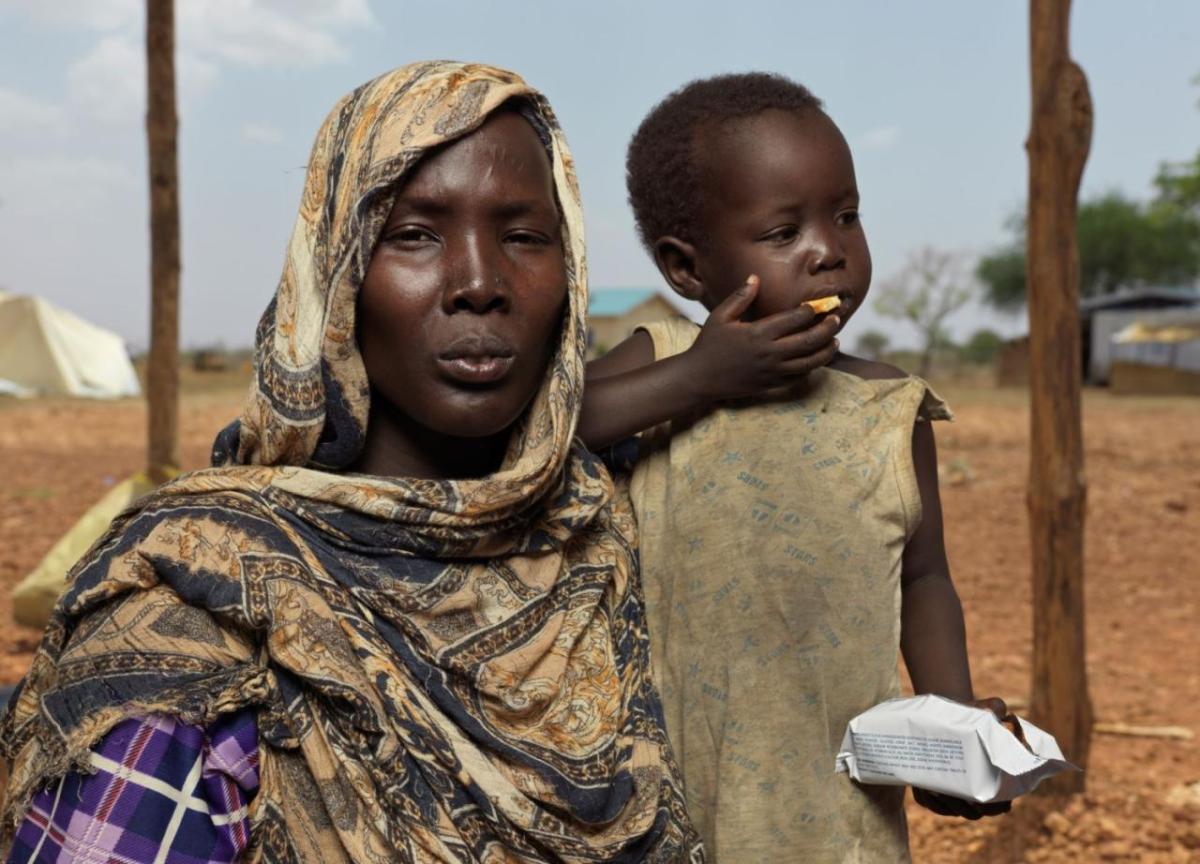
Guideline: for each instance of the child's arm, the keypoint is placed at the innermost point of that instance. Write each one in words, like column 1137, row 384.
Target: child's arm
column 933, row 637
column 628, row 392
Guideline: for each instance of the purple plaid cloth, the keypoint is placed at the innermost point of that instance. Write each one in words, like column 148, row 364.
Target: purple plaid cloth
column 163, row 791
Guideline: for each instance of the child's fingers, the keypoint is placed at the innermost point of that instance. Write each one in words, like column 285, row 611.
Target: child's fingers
column 994, row 704
column 786, row 322
column 995, row 808
column 807, row 341
column 959, row 807
column 946, row 805
column 975, row 810
column 735, row 305
column 804, row 365
column 936, row 803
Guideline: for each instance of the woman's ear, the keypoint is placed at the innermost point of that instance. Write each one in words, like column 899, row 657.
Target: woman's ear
column 676, row 260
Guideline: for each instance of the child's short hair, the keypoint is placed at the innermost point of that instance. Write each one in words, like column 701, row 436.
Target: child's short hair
column 661, row 174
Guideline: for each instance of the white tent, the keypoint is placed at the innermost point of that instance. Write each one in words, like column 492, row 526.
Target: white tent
column 48, row 350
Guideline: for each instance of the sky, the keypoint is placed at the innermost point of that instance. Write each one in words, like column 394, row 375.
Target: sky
column 933, row 97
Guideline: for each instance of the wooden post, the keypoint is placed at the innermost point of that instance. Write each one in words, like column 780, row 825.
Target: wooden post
column 162, row 374
column 1059, row 138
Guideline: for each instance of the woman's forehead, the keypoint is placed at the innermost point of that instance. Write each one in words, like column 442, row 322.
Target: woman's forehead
column 504, row 153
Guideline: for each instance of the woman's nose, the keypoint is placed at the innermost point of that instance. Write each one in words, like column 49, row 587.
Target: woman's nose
column 825, row 250
column 478, row 283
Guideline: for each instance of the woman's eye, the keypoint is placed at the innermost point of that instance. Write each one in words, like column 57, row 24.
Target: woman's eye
column 411, row 236
column 526, row 238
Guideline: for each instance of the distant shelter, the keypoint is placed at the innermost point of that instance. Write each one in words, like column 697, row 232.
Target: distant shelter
column 1106, row 323
column 1105, row 316
column 1160, row 355
column 46, row 350
column 614, row 313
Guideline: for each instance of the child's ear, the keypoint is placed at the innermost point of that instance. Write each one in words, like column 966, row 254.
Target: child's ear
column 676, row 260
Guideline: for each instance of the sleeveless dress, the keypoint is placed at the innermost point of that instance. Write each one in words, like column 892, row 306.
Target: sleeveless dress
column 771, row 544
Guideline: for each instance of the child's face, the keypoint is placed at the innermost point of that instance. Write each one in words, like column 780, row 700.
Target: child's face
column 783, row 204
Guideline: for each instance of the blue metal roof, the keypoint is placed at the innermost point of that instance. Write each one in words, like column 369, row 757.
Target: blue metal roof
column 617, row 301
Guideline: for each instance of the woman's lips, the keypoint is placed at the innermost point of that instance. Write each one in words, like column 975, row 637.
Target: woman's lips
column 476, row 358
column 473, row 369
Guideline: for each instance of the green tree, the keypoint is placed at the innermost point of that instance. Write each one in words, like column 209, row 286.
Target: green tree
column 872, row 344
column 1179, row 184
column 1002, row 275
column 929, row 289
column 1121, row 243
column 982, row 347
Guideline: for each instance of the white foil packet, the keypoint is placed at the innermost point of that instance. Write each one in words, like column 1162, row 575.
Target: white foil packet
column 945, row 746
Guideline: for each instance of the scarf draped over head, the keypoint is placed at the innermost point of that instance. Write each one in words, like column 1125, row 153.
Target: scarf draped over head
column 442, row 670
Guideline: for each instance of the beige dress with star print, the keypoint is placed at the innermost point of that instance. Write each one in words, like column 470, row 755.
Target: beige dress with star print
column 771, row 543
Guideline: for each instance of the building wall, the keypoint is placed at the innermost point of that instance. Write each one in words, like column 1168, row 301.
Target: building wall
column 608, row 331
column 1140, row 379
column 1107, row 323
column 1174, row 355
column 1012, row 363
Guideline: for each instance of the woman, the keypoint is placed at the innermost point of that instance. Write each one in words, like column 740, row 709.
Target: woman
column 401, row 622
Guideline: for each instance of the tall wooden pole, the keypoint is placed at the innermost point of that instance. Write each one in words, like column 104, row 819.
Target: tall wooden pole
column 162, row 374
column 1059, row 139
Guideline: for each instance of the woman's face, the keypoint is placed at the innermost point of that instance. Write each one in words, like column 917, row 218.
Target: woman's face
column 460, row 307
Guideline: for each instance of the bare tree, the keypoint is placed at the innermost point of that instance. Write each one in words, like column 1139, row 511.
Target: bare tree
column 162, row 373
column 931, row 287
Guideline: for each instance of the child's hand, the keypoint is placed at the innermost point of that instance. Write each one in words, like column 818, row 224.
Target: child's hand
column 946, row 805
column 733, row 359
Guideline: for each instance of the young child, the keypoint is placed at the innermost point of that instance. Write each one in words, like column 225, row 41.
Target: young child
column 792, row 542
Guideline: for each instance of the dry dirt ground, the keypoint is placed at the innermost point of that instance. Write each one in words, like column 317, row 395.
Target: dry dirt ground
column 1143, row 571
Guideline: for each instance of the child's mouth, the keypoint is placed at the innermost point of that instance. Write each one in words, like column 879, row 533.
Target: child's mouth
column 835, row 302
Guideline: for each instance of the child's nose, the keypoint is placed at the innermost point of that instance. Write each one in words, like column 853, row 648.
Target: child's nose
column 825, row 250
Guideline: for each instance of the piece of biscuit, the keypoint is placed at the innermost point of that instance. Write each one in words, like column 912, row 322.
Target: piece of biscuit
column 824, row 304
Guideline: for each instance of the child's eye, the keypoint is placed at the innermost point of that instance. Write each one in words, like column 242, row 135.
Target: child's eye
column 847, row 217
column 782, row 236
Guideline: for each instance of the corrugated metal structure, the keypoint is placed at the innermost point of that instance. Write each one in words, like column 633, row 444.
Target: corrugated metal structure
column 1104, row 317
column 1159, row 353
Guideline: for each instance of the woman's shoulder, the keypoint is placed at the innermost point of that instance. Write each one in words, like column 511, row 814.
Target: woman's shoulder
column 192, row 514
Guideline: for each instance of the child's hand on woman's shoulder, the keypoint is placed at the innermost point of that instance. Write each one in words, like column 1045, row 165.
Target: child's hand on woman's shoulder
column 736, row 359
column 947, row 805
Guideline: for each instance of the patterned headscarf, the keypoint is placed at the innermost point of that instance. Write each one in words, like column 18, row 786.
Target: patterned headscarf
column 442, row 670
